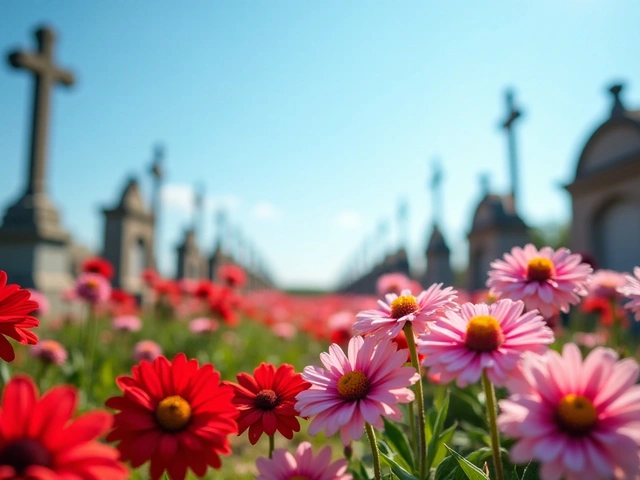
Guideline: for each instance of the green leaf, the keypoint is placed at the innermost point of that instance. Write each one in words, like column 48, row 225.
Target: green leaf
column 399, row 441
column 445, row 437
column 449, row 469
column 471, row 471
column 400, row 472
column 436, row 431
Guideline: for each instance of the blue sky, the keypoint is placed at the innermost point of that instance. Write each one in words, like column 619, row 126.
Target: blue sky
column 312, row 120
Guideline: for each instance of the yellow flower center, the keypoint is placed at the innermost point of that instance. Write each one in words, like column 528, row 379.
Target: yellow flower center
column 266, row 400
column 483, row 334
column 173, row 413
column 576, row 414
column 404, row 305
column 540, row 269
column 93, row 284
column 353, row 386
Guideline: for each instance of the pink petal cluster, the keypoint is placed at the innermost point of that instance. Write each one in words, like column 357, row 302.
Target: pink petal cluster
column 566, row 282
column 93, row 288
column 605, row 284
column 632, row 291
column 50, row 352
column 429, row 303
column 599, row 395
column 450, row 354
column 203, row 325
column 284, row 466
column 44, row 307
column 127, row 323
column 146, row 350
column 393, row 283
column 383, row 382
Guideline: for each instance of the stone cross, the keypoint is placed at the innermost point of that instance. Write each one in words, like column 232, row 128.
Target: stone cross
column 436, row 192
column 618, row 108
column 157, row 173
column 512, row 115
column 198, row 207
column 47, row 74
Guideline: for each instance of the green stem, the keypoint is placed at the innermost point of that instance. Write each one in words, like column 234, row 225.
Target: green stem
column 492, row 412
column 92, row 340
column 414, row 432
column 271, row 445
column 422, row 441
column 374, row 451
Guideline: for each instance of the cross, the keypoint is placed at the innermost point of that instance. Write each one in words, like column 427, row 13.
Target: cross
column 198, row 206
column 47, row 74
column 512, row 115
column 436, row 192
column 157, row 172
column 618, row 107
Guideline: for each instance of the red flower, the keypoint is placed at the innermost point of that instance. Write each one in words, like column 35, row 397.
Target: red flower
column 150, row 276
column 40, row 441
column 232, row 275
column 174, row 414
column 15, row 307
column 266, row 401
column 98, row 265
column 204, row 290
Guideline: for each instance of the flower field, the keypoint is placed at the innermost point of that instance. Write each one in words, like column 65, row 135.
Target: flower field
column 534, row 378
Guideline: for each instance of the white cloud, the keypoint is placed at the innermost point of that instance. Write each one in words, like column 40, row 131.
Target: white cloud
column 181, row 196
column 348, row 220
column 265, row 211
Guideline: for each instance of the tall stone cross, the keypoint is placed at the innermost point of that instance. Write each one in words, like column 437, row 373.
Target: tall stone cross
column 198, row 207
column 157, row 174
column 508, row 124
column 435, row 185
column 47, row 74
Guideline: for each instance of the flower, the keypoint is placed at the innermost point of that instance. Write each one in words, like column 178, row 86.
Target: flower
column 15, row 318
column 356, row 388
column 232, row 275
column 203, row 325
column 391, row 316
column 490, row 338
column 546, row 280
column 146, row 350
column 578, row 418
column 93, row 287
column 266, row 401
column 175, row 415
column 98, row 265
column 127, row 323
column 40, row 440
column 393, row 283
column 44, row 307
column 49, row 351
column 605, row 284
column 302, row 465
column 632, row 291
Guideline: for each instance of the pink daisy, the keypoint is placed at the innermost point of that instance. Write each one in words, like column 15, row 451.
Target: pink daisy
column 93, row 288
column 546, row 280
column 632, row 291
column 393, row 283
column 483, row 337
column 146, row 350
column 391, row 316
column 302, row 465
column 605, row 284
column 580, row 419
column 356, row 388
column 127, row 323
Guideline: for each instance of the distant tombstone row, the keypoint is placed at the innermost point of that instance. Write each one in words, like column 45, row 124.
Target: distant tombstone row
column 605, row 194
column 37, row 252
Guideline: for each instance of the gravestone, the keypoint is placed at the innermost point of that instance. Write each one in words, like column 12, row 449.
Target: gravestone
column 129, row 238
column 496, row 226
column 34, row 248
column 438, row 253
column 605, row 192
